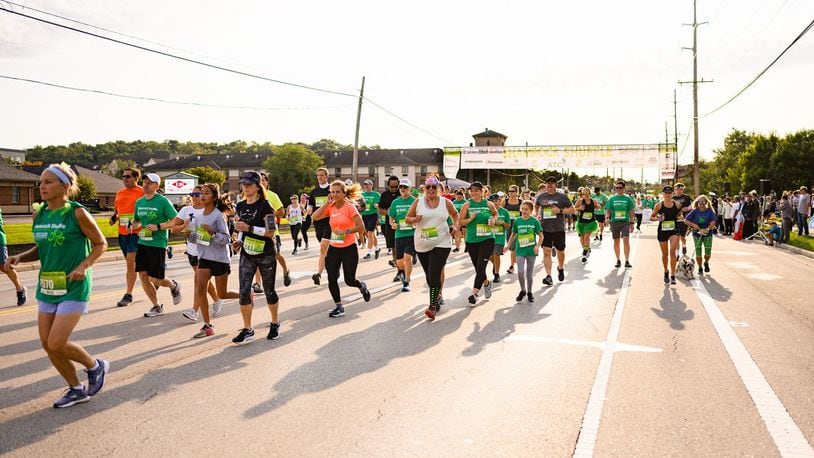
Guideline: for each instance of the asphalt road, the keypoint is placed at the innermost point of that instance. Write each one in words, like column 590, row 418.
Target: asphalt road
column 610, row 362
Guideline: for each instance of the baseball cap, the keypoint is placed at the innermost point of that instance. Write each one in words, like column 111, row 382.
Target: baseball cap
column 432, row 181
column 476, row 184
column 153, row 177
column 250, row 177
column 368, row 182
column 550, row 179
column 668, row 189
column 405, row 182
column 494, row 197
column 501, row 193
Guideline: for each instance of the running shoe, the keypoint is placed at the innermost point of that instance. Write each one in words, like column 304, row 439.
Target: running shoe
column 389, row 251
column 405, row 288
column 72, row 396
column 455, row 250
column 472, row 299
column 397, row 278
column 706, row 266
column 190, row 314
column 666, row 278
column 391, row 263
column 206, row 331
column 286, row 278
column 367, row 257
column 548, row 281
column 520, row 296
column 365, row 292
column 627, row 264
column 510, row 270
column 560, row 274
column 316, row 278
column 585, row 259
column 257, row 288
column 96, row 377
column 430, row 313
column 376, row 253
column 440, row 302
column 306, row 247
column 684, row 250
column 700, row 270
column 496, row 279
column 337, row 312
column 618, row 264
column 415, row 259
column 274, row 331
column 22, row 297
column 244, row 336
column 600, row 237
column 126, row 300
column 294, row 253
column 155, row 311
column 169, row 252
column 487, row 290
column 216, row 307
column 584, row 253
column 176, row 293
column 672, row 279
column 530, row 297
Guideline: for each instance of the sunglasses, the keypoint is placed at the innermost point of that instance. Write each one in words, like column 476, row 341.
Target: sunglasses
column 430, row 186
column 195, row 194
column 620, row 187
column 511, row 190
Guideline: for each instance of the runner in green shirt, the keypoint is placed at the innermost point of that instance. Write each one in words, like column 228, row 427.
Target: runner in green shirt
column 479, row 215
column 602, row 200
column 619, row 210
column 502, row 224
column 370, row 217
column 458, row 202
column 527, row 236
column 404, row 243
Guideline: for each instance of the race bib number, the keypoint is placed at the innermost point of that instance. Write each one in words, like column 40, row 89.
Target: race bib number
column 337, row 238
column 145, row 235
column 498, row 230
column 429, row 233
column 483, row 230
column 320, row 201
column 253, row 246
column 202, row 237
column 514, row 214
column 548, row 213
column 525, row 240
column 124, row 220
column 620, row 214
column 295, row 220
column 667, row 226
column 587, row 215
column 53, row 283
column 382, row 219
column 403, row 226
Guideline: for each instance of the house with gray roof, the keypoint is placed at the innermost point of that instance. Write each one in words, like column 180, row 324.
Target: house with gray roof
column 18, row 189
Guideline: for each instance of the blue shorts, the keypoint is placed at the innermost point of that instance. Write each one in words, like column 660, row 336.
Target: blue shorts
column 3, row 254
column 63, row 307
column 128, row 243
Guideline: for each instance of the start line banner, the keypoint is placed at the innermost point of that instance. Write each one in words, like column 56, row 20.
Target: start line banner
column 660, row 156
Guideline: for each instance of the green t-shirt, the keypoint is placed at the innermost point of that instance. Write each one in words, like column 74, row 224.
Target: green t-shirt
column 62, row 246
column 478, row 229
column 500, row 231
column 2, row 231
column 371, row 202
column 620, row 207
column 398, row 211
column 601, row 199
column 157, row 210
column 526, row 230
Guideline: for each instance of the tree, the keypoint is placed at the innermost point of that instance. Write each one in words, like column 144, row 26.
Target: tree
column 790, row 162
column 291, row 169
column 207, row 174
column 755, row 162
column 87, row 189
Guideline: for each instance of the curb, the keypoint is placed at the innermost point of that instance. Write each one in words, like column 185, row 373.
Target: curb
column 796, row 250
column 108, row 256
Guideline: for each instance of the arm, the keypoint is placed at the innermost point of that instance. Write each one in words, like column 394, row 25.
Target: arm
column 411, row 217
column 98, row 243
column 220, row 233
column 320, row 213
column 462, row 220
column 654, row 216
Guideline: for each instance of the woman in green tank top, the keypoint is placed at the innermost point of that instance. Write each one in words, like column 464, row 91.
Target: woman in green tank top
column 479, row 217
column 68, row 242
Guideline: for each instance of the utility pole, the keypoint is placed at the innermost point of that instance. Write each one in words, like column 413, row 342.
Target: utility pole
column 355, row 171
column 675, row 134
column 696, row 172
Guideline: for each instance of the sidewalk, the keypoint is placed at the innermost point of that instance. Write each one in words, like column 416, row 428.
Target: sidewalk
column 108, row 256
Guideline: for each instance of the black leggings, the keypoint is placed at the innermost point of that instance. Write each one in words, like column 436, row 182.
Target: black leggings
column 638, row 220
column 306, row 224
column 433, row 263
column 348, row 258
column 295, row 233
column 480, row 253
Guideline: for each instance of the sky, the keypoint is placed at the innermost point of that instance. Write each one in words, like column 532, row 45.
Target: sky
column 540, row 72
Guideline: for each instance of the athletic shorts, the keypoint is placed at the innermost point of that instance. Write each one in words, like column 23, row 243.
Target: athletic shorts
column 664, row 236
column 587, row 228
column 152, row 260
column 370, row 222
column 128, row 243
column 620, row 229
column 498, row 249
column 322, row 229
column 217, row 268
column 193, row 260
column 64, row 307
column 3, row 254
column 389, row 236
column 278, row 242
column 554, row 239
column 405, row 245
column 600, row 218
column 681, row 228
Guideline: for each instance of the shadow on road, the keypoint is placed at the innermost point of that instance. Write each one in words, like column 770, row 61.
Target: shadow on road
column 673, row 309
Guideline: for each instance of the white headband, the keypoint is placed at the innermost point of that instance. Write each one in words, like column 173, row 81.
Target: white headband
column 60, row 174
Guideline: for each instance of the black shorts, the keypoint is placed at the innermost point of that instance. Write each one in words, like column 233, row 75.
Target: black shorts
column 405, row 245
column 681, row 228
column 600, row 218
column 554, row 239
column 664, row 236
column 193, row 260
column 322, row 229
column 152, row 260
column 217, row 268
column 389, row 236
column 370, row 222
column 128, row 243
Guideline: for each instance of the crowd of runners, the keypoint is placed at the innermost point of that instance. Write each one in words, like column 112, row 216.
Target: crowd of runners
column 420, row 225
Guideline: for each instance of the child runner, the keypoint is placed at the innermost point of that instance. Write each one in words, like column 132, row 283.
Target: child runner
column 513, row 206
column 502, row 224
column 526, row 238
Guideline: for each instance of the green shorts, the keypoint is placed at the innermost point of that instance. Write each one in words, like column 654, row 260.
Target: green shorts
column 587, row 228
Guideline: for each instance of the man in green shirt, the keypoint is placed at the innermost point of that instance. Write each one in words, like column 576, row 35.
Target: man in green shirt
column 602, row 200
column 620, row 211
column 405, row 243
column 156, row 216
column 371, row 216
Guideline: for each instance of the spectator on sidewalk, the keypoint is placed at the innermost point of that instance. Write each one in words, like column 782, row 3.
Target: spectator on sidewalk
column 775, row 234
column 751, row 213
column 787, row 216
column 803, row 211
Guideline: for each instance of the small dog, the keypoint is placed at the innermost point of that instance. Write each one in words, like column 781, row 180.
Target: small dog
column 686, row 265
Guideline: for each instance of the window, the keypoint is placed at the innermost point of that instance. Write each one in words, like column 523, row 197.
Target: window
column 15, row 194
column 371, row 171
column 337, row 172
column 405, row 170
column 234, row 172
column 423, row 169
column 388, row 170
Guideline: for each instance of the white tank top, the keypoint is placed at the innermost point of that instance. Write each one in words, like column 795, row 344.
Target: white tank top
column 432, row 231
column 295, row 214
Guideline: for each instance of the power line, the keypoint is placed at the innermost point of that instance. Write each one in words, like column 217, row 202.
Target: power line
column 805, row 30
column 174, row 102
column 407, row 122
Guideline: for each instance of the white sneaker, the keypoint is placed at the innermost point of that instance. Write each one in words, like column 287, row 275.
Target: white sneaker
column 191, row 315
column 216, row 307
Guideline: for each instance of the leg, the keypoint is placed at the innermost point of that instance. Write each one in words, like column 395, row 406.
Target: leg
column 148, row 287
column 484, row 251
column 131, row 271
column 350, row 261
column 626, row 241
column 213, row 293
column 12, row 275
column 202, row 277
column 55, row 330
column 323, row 252
column 547, row 260
column 616, row 247
column 530, row 260
column 246, row 273
column 561, row 258
column 673, row 249
column 221, row 284
column 663, row 246
column 332, row 263
column 525, row 286
column 268, row 269
column 281, row 261
column 698, row 241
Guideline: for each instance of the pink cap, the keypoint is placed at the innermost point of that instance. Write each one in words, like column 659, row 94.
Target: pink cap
column 432, row 180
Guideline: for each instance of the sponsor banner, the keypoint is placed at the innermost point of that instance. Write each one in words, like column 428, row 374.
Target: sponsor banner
column 569, row 157
column 452, row 162
column 179, row 185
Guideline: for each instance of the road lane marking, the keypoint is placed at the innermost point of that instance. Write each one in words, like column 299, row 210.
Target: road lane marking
column 586, row 442
column 602, row 345
column 787, row 437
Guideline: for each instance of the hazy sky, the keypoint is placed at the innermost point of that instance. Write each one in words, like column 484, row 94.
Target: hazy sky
column 542, row 72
